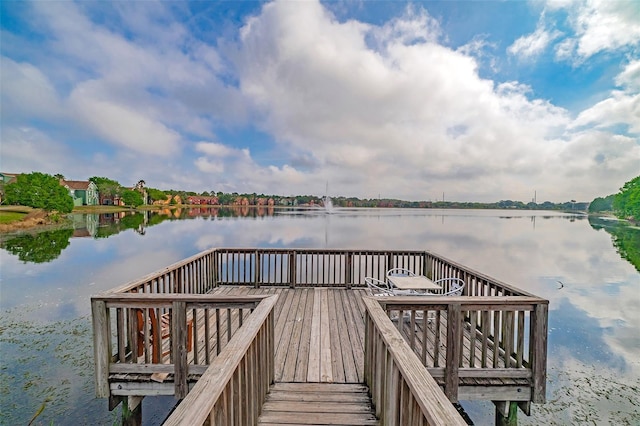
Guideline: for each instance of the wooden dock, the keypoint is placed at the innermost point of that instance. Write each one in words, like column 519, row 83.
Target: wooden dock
column 326, row 337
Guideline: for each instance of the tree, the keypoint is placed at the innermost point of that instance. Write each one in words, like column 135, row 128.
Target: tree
column 626, row 203
column 600, row 204
column 156, row 194
column 132, row 198
column 39, row 190
column 106, row 187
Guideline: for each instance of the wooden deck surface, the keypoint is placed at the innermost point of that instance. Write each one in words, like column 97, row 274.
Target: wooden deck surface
column 319, row 333
column 320, row 339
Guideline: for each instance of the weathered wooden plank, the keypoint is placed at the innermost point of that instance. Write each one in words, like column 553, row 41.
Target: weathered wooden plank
column 353, row 357
column 319, row 388
column 313, row 374
column 283, row 347
column 302, row 363
column 293, row 351
column 336, row 334
column 317, row 398
column 324, row 407
column 326, row 371
column 283, row 418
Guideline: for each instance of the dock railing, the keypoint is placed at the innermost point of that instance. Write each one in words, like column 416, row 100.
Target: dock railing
column 201, row 326
column 216, row 267
column 497, row 337
column 234, row 387
column 402, row 391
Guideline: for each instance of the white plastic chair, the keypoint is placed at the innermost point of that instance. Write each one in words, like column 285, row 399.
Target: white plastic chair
column 455, row 286
column 376, row 287
column 402, row 272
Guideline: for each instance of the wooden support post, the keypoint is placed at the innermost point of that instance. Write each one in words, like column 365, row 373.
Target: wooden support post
column 134, row 401
column 131, row 416
column 538, row 352
column 101, row 347
column 454, row 343
column 506, row 413
column 179, row 348
column 114, row 401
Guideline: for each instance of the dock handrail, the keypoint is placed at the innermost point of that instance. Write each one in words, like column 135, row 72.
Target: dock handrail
column 114, row 315
column 303, row 267
column 233, row 389
column 510, row 330
column 402, row 390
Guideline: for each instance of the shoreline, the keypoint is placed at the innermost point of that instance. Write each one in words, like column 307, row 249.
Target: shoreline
column 36, row 220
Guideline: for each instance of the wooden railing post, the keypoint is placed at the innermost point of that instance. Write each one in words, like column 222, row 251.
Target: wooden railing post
column 214, row 265
column 101, row 346
column 179, row 348
column 348, row 271
column 538, row 351
column 258, row 269
column 454, row 348
column 292, row 269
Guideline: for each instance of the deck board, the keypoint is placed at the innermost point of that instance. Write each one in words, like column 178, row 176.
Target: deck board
column 317, row 404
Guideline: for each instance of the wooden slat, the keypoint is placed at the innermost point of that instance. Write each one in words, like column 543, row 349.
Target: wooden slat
column 302, row 363
column 317, row 404
column 326, row 370
column 313, row 374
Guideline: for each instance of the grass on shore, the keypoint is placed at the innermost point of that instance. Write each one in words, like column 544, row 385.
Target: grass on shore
column 10, row 217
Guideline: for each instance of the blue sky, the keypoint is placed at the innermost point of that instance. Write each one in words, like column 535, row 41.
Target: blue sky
column 479, row 100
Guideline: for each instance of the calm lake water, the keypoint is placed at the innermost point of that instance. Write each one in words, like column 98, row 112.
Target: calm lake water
column 587, row 268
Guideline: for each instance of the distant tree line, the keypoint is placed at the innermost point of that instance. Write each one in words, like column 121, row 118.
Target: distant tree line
column 44, row 191
column 625, row 204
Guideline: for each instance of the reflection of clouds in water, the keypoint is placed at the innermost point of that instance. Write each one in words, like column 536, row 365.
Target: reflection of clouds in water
column 574, row 331
column 597, row 307
column 271, row 232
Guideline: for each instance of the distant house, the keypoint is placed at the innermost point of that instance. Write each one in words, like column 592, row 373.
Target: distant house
column 6, row 178
column 110, row 200
column 202, row 200
column 84, row 193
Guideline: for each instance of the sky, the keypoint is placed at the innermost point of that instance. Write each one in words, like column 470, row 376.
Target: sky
column 427, row 100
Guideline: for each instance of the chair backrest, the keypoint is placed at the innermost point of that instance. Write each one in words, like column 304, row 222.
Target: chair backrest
column 375, row 287
column 400, row 272
column 455, row 287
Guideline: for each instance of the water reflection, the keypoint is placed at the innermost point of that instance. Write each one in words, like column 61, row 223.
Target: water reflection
column 39, row 247
column 594, row 337
column 625, row 238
